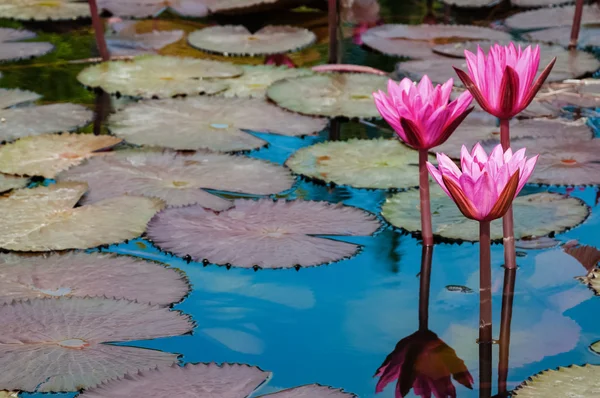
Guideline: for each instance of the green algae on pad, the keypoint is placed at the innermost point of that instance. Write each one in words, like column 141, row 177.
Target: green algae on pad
column 329, row 94
column 48, row 154
column 59, row 344
column 564, row 382
column 256, row 79
column 535, row 215
column 159, row 76
column 263, row 233
column 375, row 164
column 12, row 46
column 238, row 40
column 552, row 17
column 44, row 218
column 211, row 123
column 178, row 179
column 79, row 274
column 42, row 10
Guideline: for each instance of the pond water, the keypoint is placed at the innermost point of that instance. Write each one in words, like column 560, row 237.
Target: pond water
column 335, row 324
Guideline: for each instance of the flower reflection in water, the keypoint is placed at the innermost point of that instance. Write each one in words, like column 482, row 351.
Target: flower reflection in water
column 422, row 361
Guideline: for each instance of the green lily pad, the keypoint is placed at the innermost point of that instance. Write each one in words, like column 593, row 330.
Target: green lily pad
column 535, row 215
column 41, row 10
column 256, row 79
column 573, row 381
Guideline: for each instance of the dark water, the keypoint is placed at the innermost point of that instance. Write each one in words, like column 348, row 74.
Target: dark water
column 335, row 324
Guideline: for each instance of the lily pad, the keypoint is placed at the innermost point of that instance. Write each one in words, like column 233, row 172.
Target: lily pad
column 374, row 164
column 128, row 42
column 535, row 215
column 310, row 391
column 8, row 182
column 159, row 76
column 256, row 79
column 42, row 10
column 573, row 381
column 178, row 179
column 11, row 46
column 207, row 123
column 238, row 40
column 569, row 65
column 263, row 233
column 242, row 6
column 153, row 8
column 43, row 218
column 552, row 17
column 57, row 345
column 35, row 120
column 538, row 3
column 89, row 275
column 588, row 36
column 479, row 126
column 12, row 97
column 471, row 3
column 331, row 94
column 48, row 154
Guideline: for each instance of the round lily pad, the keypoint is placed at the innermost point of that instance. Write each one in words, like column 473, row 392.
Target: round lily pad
column 207, row 123
column 263, row 233
column 331, row 94
column 535, row 215
column 312, row 391
column 238, row 40
column 43, row 218
column 153, row 8
column 562, row 161
column 57, row 345
column 11, row 46
column 48, row 154
column 588, row 36
column 12, row 97
column 568, row 64
column 256, row 79
column 35, row 120
column 479, row 126
column 552, row 17
column 159, row 76
column 375, row 164
column 199, row 380
column 8, row 182
column 573, row 381
column 178, row 179
column 41, row 10
column 89, row 275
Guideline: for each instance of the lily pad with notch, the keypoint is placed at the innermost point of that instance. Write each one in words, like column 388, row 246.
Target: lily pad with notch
column 579, row 381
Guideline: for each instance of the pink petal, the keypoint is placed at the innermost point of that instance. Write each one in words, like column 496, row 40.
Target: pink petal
column 425, row 87
column 437, row 176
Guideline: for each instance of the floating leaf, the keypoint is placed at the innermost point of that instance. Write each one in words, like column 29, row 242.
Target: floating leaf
column 257, row 78
column 198, row 380
column 177, row 179
column 56, row 345
column 47, row 155
column 379, row 164
column 471, row 3
column 538, row 3
column 568, row 64
column 8, row 394
column 311, row 391
column 562, row 161
column 552, row 17
column 574, row 381
column 238, row 40
column 207, row 123
column 41, row 10
column 22, row 122
column 88, row 275
column 11, row 46
column 241, row 6
column 588, row 256
column 480, row 126
column 8, row 182
column 262, row 233
column 14, row 97
column 43, row 218
column 131, row 43
column 153, row 8
column 588, row 36
column 536, row 243
column 331, row 94
column 535, row 215
column 159, row 76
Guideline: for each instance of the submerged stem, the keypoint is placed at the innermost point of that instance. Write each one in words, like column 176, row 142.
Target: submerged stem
column 505, row 321
column 485, row 311
column 576, row 24
column 99, row 31
column 426, row 229
column 508, row 229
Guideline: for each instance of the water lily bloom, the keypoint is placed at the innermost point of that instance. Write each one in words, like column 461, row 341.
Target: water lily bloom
column 503, row 83
column 425, row 363
column 420, row 114
column 486, row 186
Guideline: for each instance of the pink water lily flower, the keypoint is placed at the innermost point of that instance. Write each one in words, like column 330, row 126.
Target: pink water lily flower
column 420, row 114
column 486, row 186
column 503, row 83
